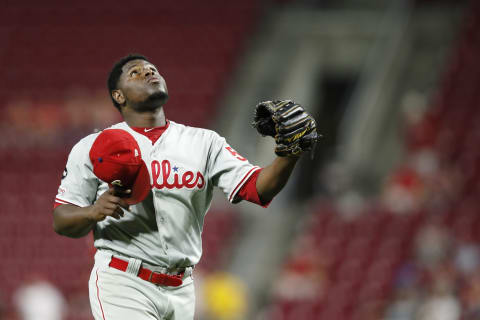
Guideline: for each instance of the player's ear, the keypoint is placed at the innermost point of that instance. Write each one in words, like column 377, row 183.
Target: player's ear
column 118, row 96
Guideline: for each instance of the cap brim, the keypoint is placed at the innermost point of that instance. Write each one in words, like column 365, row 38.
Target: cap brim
column 141, row 187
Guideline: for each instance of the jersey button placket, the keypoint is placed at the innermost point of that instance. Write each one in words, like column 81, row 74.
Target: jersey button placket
column 164, row 243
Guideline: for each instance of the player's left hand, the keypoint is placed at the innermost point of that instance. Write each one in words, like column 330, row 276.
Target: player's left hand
column 294, row 130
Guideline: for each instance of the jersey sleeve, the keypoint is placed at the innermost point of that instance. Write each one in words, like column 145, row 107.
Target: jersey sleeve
column 227, row 169
column 249, row 191
column 78, row 185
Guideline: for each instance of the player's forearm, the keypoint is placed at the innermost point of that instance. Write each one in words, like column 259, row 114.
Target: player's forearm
column 72, row 221
column 273, row 178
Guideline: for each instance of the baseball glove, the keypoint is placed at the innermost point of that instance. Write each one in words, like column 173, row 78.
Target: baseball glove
column 294, row 130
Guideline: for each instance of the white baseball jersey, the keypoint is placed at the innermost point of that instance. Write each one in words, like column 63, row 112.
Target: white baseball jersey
column 185, row 163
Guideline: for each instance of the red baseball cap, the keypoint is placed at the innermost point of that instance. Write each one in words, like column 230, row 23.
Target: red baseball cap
column 117, row 160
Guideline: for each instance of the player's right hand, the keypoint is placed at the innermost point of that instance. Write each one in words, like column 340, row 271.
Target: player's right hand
column 108, row 204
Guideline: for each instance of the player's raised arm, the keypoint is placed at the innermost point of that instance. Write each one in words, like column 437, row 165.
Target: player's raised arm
column 72, row 221
column 274, row 177
column 294, row 131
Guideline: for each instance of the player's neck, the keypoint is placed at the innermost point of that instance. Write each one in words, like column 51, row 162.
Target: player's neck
column 147, row 119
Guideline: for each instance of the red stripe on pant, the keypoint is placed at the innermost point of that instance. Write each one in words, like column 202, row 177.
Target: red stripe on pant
column 98, row 296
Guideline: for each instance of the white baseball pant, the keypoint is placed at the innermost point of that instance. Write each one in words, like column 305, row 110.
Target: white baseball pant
column 119, row 295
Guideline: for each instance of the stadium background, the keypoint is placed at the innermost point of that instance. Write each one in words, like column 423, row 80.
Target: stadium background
column 382, row 224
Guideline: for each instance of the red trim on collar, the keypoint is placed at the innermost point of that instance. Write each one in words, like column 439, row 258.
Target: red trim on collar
column 152, row 133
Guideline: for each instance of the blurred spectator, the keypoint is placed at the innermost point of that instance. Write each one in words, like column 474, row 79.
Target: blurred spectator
column 425, row 163
column 441, row 304
column 423, row 181
column 404, row 305
column 338, row 185
column 350, row 205
column 414, row 105
column 467, row 258
column 37, row 299
column 304, row 277
column 420, row 130
column 224, row 296
column 432, row 245
column 407, row 294
column 404, row 191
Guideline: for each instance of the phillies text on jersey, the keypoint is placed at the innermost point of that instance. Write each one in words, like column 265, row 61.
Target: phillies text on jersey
column 184, row 164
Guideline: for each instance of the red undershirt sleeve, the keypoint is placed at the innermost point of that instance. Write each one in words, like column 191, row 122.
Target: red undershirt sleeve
column 60, row 202
column 249, row 190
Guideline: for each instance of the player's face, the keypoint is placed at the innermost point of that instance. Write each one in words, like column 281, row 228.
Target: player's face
column 142, row 85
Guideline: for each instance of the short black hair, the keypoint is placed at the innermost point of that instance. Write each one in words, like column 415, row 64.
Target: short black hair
column 116, row 72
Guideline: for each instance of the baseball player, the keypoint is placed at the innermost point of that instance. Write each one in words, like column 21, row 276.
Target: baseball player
column 144, row 186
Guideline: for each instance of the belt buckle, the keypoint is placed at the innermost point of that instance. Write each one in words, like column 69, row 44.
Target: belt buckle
column 161, row 276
